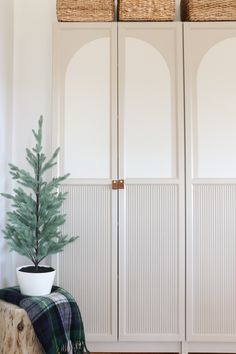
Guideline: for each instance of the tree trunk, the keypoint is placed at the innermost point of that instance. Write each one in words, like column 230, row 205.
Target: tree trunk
column 17, row 335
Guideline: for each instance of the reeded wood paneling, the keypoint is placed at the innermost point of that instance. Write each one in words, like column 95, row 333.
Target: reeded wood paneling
column 85, row 267
column 151, row 260
column 214, row 260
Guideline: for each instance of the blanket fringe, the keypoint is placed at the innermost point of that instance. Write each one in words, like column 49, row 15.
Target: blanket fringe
column 74, row 348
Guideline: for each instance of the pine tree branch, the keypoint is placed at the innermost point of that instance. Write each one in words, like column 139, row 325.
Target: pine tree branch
column 34, row 226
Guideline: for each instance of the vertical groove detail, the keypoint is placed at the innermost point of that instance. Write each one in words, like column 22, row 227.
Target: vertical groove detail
column 85, row 265
column 152, row 262
column 214, row 259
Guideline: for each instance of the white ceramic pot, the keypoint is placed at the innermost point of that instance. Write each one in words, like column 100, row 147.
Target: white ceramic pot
column 35, row 284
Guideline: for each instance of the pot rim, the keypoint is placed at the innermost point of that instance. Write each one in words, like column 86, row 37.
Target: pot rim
column 30, row 265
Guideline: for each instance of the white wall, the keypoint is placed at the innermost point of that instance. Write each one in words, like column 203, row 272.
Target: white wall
column 177, row 10
column 32, row 81
column 32, row 72
column 6, row 24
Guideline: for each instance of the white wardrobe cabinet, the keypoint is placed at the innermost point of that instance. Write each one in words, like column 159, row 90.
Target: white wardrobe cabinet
column 144, row 281
column 119, row 116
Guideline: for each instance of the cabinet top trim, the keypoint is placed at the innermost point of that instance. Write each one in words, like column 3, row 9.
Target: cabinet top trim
column 84, row 25
column 210, row 25
column 106, row 25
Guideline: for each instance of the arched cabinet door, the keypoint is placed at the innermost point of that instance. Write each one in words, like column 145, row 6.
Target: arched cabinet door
column 85, row 126
column 151, row 162
column 210, row 72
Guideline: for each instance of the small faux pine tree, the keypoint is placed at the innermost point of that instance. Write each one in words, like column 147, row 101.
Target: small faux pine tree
column 33, row 228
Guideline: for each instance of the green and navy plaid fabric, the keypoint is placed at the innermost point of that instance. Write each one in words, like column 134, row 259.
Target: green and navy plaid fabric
column 56, row 319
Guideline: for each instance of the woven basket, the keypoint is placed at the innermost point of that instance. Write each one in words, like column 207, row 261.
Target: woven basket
column 208, row 10
column 146, row 10
column 85, row 10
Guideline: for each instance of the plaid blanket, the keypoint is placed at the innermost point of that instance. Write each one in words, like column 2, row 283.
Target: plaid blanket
column 56, row 319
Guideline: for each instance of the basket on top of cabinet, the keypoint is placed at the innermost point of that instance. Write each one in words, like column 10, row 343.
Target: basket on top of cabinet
column 85, row 10
column 146, row 10
column 208, row 10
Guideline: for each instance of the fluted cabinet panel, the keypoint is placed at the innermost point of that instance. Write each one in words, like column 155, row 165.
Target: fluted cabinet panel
column 85, row 267
column 151, row 260
column 214, row 260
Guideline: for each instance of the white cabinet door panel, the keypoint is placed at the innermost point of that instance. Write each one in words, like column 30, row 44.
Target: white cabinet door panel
column 210, row 72
column 151, row 209
column 85, row 109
